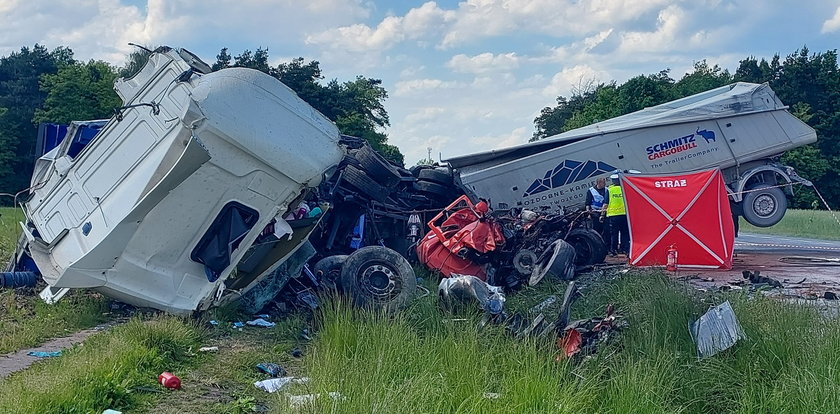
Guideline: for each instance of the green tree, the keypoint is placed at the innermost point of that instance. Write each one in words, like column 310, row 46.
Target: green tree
column 21, row 95
column 223, row 60
column 703, row 78
column 78, row 92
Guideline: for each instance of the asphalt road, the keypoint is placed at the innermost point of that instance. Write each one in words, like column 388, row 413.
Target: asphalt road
column 765, row 243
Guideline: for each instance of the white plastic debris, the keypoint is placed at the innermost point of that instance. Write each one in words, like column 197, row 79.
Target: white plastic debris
column 273, row 384
column 297, row 401
column 261, row 322
column 208, row 349
column 716, row 330
column 492, row 395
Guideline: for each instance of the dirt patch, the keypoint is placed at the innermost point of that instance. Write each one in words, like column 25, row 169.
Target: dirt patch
column 20, row 360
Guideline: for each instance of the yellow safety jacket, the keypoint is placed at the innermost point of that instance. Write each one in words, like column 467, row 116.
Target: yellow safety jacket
column 615, row 197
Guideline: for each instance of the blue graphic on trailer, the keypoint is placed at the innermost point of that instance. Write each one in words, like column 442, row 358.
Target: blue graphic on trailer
column 709, row 136
column 568, row 172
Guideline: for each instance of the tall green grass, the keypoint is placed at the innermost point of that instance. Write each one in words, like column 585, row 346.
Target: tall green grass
column 9, row 232
column 109, row 371
column 422, row 360
column 818, row 224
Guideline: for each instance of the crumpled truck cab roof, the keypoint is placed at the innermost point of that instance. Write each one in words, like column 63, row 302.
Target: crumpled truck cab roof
column 164, row 200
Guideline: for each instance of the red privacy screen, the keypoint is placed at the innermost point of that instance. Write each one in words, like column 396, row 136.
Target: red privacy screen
column 689, row 211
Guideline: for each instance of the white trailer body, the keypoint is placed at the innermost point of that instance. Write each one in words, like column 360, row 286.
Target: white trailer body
column 129, row 214
column 740, row 128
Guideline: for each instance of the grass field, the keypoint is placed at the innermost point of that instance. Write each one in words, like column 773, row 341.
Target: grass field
column 818, row 224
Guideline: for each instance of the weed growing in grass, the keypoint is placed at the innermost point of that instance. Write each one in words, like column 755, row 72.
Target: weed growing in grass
column 104, row 373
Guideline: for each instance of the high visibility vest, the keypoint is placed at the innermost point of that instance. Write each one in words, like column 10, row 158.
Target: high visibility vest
column 615, row 205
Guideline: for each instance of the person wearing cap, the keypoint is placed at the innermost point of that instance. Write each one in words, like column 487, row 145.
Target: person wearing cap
column 595, row 201
column 616, row 216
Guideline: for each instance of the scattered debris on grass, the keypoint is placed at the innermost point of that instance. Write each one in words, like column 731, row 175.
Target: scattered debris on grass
column 44, row 354
column 271, row 369
column 717, row 330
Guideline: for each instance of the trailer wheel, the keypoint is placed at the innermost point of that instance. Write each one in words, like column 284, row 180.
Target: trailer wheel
column 558, row 260
column 436, row 175
column 377, row 167
column 329, row 269
column 378, row 277
column 764, row 205
column 589, row 247
column 364, row 183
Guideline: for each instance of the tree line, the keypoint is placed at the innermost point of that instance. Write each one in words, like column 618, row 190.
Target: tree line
column 41, row 85
column 808, row 82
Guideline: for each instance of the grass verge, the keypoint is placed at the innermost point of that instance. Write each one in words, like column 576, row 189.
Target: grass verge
column 815, row 224
column 109, row 371
column 425, row 360
column 27, row 321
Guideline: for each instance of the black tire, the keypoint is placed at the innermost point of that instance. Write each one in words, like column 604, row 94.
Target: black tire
column 436, row 175
column 524, row 262
column 764, row 206
column 434, row 189
column 328, row 269
column 558, row 261
column 363, row 183
column 377, row 167
column 378, row 277
column 590, row 248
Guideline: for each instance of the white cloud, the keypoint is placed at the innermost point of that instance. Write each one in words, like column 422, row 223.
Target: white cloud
column 483, row 63
column 832, row 24
column 574, row 79
column 516, row 137
column 101, row 29
column 413, row 86
column 392, row 30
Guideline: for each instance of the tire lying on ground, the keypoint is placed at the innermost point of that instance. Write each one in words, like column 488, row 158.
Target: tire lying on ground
column 558, row 261
column 590, row 248
column 764, row 205
column 364, row 183
column 378, row 277
column 436, row 175
column 328, row 269
column 377, row 167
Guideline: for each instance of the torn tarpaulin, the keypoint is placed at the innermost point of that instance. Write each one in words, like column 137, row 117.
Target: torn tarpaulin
column 716, row 330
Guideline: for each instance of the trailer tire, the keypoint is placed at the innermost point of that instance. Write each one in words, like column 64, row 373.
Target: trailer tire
column 434, row 189
column 764, row 205
column 377, row 167
column 590, row 248
column 558, row 260
column 378, row 277
column 329, row 270
column 364, row 183
column 436, row 175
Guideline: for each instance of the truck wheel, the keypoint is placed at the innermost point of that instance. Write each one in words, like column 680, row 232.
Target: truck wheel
column 378, row 277
column 764, row 206
column 377, row 167
column 436, row 175
column 362, row 182
column 434, row 189
column 589, row 247
column 524, row 262
column 558, row 260
column 328, row 269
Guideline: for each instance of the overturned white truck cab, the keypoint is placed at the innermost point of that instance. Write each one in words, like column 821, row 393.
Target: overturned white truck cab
column 160, row 206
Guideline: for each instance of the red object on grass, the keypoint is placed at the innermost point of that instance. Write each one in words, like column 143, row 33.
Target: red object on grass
column 688, row 210
column 169, row 380
column 464, row 228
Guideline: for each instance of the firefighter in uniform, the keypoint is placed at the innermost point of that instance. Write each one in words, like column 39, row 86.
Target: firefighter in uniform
column 616, row 215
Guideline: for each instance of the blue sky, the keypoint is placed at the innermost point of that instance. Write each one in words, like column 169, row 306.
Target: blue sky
column 462, row 76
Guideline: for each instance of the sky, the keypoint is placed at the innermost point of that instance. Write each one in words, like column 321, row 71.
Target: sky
column 462, row 77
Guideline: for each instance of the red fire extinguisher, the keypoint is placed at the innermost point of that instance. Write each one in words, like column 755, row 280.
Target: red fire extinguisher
column 671, row 264
column 169, row 380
